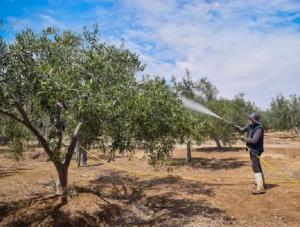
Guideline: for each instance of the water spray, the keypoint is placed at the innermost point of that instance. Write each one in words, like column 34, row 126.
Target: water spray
column 195, row 106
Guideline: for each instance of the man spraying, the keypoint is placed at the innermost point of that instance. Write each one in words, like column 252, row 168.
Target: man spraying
column 254, row 139
column 255, row 143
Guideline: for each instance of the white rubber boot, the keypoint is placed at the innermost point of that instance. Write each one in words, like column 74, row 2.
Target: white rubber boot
column 255, row 184
column 260, row 187
column 263, row 177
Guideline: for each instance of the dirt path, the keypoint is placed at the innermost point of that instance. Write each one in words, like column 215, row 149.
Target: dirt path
column 221, row 195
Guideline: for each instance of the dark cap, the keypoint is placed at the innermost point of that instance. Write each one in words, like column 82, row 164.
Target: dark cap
column 254, row 117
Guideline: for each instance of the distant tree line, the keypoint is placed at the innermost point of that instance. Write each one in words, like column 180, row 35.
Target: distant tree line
column 283, row 113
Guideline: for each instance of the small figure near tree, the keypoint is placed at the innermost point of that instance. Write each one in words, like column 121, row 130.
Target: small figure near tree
column 81, row 156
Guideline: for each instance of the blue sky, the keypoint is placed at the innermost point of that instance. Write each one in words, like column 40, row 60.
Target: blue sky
column 249, row 46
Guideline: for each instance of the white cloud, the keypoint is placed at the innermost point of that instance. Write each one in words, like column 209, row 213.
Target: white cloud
column 18, row 24
column 242, row 46
column 50, row 21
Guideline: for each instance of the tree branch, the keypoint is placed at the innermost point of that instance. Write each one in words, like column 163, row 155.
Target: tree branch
column 12, row 116
column 60, row 106
column 34, row 130
column 72, row 145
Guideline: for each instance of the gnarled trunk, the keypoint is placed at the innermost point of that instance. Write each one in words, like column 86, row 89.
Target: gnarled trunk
column 218, row 143
column 62, row 168
column 62, row 182
column 189, row 151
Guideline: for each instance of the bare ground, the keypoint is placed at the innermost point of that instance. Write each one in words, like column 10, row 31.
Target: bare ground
column 216, row 193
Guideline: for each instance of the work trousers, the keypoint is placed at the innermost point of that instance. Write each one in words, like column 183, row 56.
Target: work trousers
column 256, row 167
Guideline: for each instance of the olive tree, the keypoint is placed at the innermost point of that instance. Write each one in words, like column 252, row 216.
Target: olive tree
column 53, row 83
column 159, row 120
column 193, row 123
column 60, row 85
column 284, row 113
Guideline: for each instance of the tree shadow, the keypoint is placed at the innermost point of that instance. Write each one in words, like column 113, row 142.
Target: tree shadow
column 116, row 186
column 5, row 172
column 157, row 201
column 177, row 184
column 219, row 149
column 93, row 165
column 107, row 157
column 124, row 201
column 132, row 189
column 31, row 210
column 180, row 211
column 209, row 163
column 3, row 148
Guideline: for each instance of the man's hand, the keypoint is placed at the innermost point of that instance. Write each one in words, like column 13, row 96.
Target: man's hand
column 238, row 128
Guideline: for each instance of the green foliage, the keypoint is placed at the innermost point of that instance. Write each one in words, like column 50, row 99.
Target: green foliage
column 239, row 109
column 235, row 110
column 59, row 79
column 201, row 127
column 11, row 129
column 53, row 80
column 284, row 113
column 193, row 123
column 16, row 136
column 158, row 120
column 16, row 149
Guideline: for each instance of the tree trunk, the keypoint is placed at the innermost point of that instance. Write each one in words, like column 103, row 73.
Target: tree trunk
column 189, row 151
column 62, row 182
column 62, row 169
column 218, row 143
